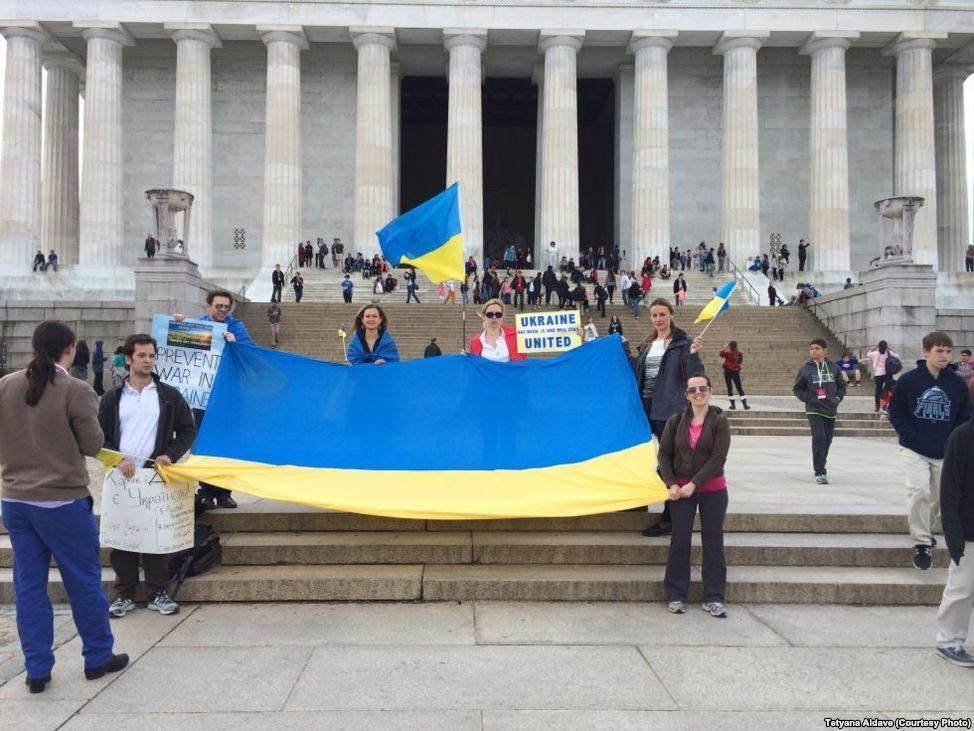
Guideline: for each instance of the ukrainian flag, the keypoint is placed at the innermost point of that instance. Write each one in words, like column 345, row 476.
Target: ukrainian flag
column 285, row 427
column 428, row 237
column 718, row 304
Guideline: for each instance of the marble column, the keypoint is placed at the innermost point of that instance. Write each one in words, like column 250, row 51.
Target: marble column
column 915, row 161
column 20, row 148
column 828, row 151
column 282, row 143
column 740, row 210
column 375, row 177
column 559, row 141
column 953, row 229
column 651, row 140
column 59, row 192
column 192, row 165
column 102, row 229
column 464, row 139
column 625, row 107
column 540, row 245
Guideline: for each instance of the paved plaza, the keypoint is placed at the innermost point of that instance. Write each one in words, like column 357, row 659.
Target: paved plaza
column 525, row 665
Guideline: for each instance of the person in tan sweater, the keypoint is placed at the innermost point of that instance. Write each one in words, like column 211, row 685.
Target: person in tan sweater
column 48, row 423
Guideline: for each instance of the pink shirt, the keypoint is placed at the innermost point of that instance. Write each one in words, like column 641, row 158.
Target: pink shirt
column 713, row 485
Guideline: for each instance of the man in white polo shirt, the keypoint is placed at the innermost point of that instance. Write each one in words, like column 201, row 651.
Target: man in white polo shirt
column 146, row 420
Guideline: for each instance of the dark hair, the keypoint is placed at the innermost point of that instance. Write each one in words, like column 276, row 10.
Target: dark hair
column 219, row 293
column 704, row 376
column 937, row 339
column 965, row 351
column 51, row 338
column 660, row 301
column 732, row 346
column 820, row 343
column 383, row 322
column 882, row 346
column 138, row 339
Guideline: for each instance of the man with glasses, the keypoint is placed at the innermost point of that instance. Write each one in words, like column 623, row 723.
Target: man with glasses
column 218, row 306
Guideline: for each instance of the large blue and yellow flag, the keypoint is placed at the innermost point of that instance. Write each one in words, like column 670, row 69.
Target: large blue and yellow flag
column 719, row 303
column 285, row 427
column 428, row 237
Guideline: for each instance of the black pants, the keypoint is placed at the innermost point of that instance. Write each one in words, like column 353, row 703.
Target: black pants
column 519, row 298
column 276, row 293
column 611, row 288
column 801, row 264
column 126, row 567
column 882, row 383
column 969, row 265
column 713, row 508
column 298, row 291
column 346, row 295
column 602, row 307
column 411, row 294
column 733, row 378
column 547, row 296
column 206, row 489
column 822, row 430
column 99, row 388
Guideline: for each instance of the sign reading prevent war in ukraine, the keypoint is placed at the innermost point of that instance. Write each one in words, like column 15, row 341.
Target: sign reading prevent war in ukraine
column 547, row 332
column 189, row 354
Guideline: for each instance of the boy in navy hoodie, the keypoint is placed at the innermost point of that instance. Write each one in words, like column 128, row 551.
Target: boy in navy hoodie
column 928, row 403
column 957, row 515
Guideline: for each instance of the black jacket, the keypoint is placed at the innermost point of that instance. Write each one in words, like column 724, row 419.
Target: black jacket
column 277, row 278
column 811, row 377
column 177, row 429
column 549, row 279
column 677, row 366
column 957, row 490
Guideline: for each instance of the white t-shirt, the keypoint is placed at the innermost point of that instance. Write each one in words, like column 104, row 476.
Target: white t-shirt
column 138, row 414
column 498, row 353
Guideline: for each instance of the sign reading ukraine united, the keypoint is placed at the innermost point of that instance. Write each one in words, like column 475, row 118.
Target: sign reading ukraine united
column 547, row 332
column 285, row 427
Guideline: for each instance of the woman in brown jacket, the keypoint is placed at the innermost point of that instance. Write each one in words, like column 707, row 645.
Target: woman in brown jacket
column 692, row 453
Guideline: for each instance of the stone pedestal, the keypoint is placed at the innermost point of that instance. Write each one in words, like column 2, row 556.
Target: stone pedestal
column 59, row 196
column 559, row 141
column 828, row 151
column 894, row 302
column 953, row 229
column 915, row 156
column 282, row 143
column 101, row 222
column 375, row 177
column 464, row 140
column 20, row 148
column 166, row 286
column 192, row 161
column 651, row 140
column 740, row 189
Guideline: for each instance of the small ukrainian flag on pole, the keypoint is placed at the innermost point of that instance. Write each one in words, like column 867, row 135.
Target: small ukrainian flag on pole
column 718, row 304
column 428, row 237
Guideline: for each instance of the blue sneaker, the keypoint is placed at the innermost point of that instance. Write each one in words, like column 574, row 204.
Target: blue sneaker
column 957, row 655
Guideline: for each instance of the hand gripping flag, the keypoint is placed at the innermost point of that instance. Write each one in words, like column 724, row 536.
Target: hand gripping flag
column 285, row 427
column 719, row 303
column 428, row 237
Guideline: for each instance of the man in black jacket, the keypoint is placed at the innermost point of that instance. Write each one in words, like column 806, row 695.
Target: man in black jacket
column 146, row 420
column 550, row 282
column 820, row 386
column 957, row 516
column 277, row 280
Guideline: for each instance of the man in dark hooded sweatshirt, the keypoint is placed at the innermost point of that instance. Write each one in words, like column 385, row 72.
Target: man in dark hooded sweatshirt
column 928, row 403
column 820, row 386
column 98, row 359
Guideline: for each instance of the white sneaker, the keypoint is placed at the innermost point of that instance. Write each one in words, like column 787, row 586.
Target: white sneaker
column 163, row 604
column 677, row 607
column 716, row 609
column 120, row 607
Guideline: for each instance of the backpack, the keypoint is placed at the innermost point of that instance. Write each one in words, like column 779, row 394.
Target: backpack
column 205, row 554
column 893, row 365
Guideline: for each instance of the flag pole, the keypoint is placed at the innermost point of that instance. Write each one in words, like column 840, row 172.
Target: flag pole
column 707, row 327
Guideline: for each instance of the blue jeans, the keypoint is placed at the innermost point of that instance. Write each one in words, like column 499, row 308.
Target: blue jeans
column 69, row 534
column 634, row 301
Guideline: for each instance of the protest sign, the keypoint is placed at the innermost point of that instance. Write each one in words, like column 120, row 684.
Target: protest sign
column 144, row 514
column 189, row 354
column 547, row 332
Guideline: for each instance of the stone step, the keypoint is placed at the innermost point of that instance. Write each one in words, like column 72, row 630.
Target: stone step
column 519, row 582
column 548, row 547
column 802, row 430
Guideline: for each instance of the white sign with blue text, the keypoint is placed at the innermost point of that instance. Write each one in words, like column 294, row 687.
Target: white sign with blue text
column 189, row 354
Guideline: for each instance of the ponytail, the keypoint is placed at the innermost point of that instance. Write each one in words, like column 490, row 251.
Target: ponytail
column 51, row 339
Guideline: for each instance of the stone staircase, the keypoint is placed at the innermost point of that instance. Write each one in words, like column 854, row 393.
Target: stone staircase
column 774, row 340
column 279, row 552
column 794, row 423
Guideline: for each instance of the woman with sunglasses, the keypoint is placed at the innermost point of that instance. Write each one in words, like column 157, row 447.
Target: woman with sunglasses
column 372, row 343
column 662, row 365
column 692, row 453
column 497, row 342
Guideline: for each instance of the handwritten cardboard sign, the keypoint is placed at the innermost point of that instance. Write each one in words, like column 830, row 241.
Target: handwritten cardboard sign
column 145, row 515
column 189, row 354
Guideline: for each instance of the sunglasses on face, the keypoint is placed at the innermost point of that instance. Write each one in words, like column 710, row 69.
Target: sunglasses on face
column 698, row 389
column 494, row 315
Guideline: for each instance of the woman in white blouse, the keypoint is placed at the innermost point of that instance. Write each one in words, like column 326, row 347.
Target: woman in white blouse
column 497, row 342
